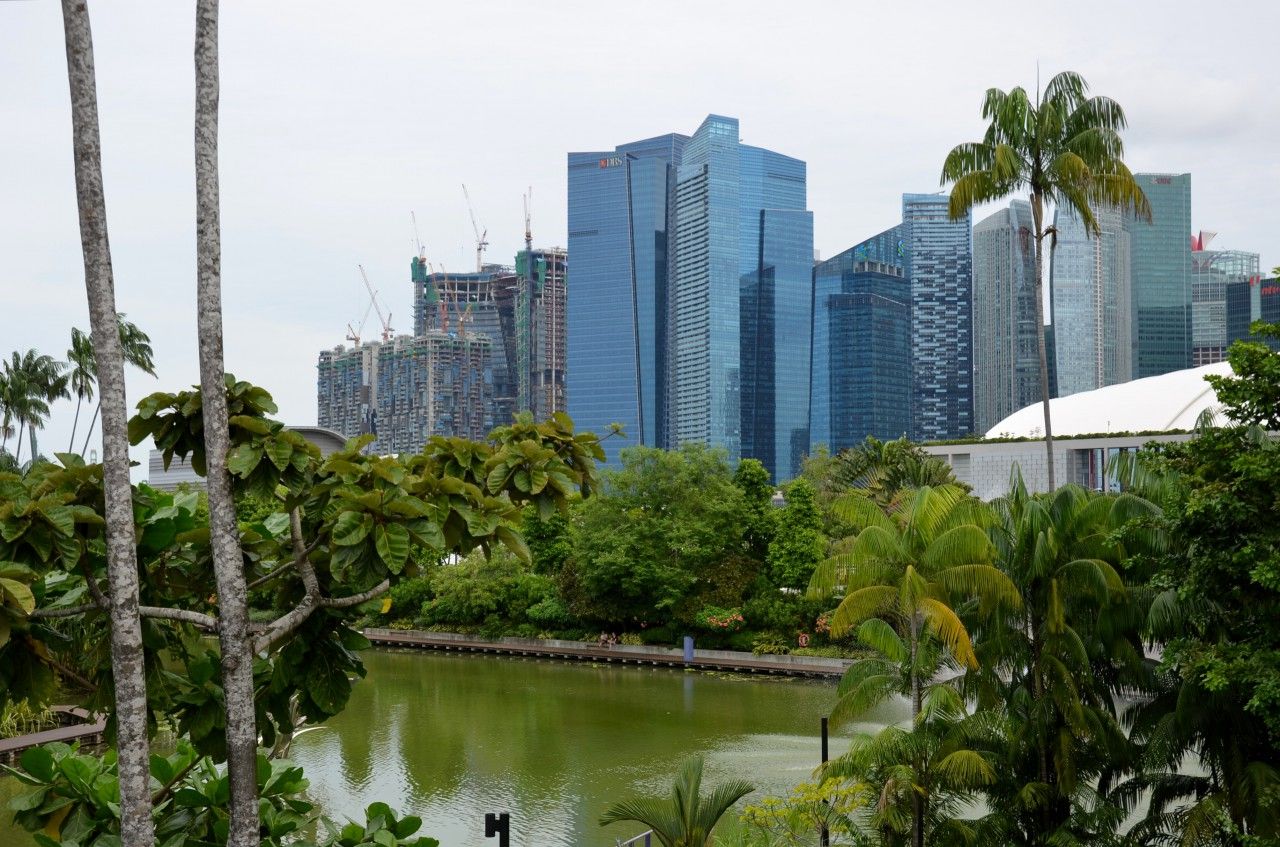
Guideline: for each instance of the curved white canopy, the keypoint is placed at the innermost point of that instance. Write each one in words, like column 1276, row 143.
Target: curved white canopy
column 1154, row 404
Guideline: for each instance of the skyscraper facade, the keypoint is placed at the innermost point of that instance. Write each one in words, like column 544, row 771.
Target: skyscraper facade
column 480, row 302
column 345, row 379
column 539, row 331
column 436, row 383
column 1212, row 271
column 1161, row 273
column 861, row 374
column 740, row 299
column 1091, row 309
column 939, row 264
column 1006, row 334
column 621, row 206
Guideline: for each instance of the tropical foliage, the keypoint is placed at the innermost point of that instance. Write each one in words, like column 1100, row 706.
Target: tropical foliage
column 687, row 819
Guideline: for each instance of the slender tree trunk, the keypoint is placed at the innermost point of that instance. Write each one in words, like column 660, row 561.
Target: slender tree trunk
column 71, row 442
column 1037, row 211
column 917, row 706
column 224, row 538
column 92, row 422
column 31, row 438
column 17, row 456
column 122, row 564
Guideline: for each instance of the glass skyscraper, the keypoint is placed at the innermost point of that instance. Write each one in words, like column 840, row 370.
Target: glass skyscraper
column 1161, row 273
column 939, row 265
column 1091, row 301
column 741, row 300
column 1006, row 336
column 1211, row 272
column 861, row 379
column 620, row 214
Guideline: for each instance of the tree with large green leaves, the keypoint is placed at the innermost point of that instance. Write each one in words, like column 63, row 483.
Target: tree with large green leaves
column 899, row 579
column 798, row 543
column 687, row 819
column 649, row 545
column 1217, row 615
column 1064, row 149
column 1055, row 670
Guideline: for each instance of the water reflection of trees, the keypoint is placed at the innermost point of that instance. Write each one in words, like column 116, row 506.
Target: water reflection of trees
column 542, row 733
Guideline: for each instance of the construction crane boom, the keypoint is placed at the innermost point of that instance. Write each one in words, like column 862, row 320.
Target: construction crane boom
column 387, row 331
column 481, row 237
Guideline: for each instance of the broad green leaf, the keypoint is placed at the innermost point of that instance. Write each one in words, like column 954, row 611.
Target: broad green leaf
column 242, row 460
column 38, row 762
column 392, row 542
column 20, row 594
column 351, row 528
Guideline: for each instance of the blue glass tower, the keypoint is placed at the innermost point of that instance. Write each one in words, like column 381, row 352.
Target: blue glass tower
column 741, row 300
column 939, row 264
column 861, row 345
column 1161, row 273
column 619, row 219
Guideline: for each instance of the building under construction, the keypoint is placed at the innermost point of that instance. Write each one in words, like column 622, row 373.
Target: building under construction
column 432, row 384
column 539, row 331
column 344, row 388
column 482, row 303
column 407, row 389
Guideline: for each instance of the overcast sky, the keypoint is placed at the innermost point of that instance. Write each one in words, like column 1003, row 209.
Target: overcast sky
column 338, row 119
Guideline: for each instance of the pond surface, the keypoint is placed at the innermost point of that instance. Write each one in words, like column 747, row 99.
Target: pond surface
column 451, row 737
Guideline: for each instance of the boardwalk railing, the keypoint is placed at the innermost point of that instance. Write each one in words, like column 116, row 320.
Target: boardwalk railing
column 644, row 838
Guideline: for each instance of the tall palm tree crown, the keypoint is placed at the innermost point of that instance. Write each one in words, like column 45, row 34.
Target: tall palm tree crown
column 32, row 381
column 1063, row 148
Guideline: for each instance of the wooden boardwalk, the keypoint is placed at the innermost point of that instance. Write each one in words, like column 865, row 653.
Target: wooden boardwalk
column 91, row 729
column 587, row 653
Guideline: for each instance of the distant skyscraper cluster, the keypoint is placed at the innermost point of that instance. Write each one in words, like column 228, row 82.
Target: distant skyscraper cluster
column 486, row 345
column 696, row 311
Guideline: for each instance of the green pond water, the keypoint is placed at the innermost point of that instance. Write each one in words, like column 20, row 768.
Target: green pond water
column 450, row 737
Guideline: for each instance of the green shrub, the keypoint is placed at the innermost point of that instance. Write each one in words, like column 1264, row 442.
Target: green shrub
column 770, row 644
column 409, row 596
column 550, row 612
column 773, row 610
column 829, row 652
column 717, row 619
column 631, row 639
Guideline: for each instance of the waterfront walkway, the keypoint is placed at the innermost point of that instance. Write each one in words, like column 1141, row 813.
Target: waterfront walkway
column 90, row 729
column 709, row 660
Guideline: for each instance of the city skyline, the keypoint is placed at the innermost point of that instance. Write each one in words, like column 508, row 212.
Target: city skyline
column 302, row 207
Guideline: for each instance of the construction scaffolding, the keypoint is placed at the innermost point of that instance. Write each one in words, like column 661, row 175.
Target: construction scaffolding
column 344, row 388
column 539, row 331
column 432, row 384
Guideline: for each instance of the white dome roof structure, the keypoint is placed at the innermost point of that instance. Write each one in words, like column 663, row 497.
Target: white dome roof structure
column 1172, row 401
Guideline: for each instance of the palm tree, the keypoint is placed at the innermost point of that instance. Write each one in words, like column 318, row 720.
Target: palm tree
column 938, row 765
column 1065, row 149
column 136, row 348
column 80, row 359
column 1054, row 669
column 32, row 381
column 687, row 819
column 883, row 468
column 900, row 575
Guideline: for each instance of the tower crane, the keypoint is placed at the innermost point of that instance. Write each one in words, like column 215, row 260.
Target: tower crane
column 387, row 331
column 528, row 222
column 422, row 256
column 353, row 333
column 481, row 237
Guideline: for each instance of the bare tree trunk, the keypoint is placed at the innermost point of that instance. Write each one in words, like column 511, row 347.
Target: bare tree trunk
column 71, row 442
column 122, row 564
column 1037, row 211
column 224, row 537
column 92, row 421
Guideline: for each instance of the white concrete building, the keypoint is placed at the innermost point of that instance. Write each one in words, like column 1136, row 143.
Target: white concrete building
column 1171, row 403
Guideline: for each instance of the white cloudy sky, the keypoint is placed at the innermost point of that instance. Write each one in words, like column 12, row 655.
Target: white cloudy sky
column 340, row 118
